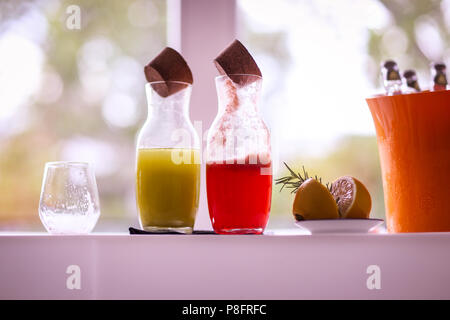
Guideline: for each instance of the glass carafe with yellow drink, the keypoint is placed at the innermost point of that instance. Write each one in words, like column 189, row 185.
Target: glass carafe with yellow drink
column 168, row 161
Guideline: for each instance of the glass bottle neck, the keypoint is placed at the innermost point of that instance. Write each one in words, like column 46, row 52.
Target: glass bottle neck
column 168, row 124
column 174, row 107
column 234, row 97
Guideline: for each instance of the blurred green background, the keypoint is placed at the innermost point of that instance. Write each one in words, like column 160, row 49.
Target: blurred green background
column 69, row 94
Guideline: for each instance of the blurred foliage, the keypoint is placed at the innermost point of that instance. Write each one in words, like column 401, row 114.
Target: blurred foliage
column 354, row 155
column 51, row 125
column 405, row 15
column 21, row 178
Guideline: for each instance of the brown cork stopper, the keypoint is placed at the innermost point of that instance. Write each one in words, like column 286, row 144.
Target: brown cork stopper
column 235, row 59
column 168, row 65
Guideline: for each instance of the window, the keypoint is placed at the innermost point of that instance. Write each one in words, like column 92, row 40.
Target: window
column 320, row 60
column 73, row 94
column 79, row 93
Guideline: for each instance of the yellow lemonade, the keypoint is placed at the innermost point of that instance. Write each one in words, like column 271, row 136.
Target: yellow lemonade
column 167, row 188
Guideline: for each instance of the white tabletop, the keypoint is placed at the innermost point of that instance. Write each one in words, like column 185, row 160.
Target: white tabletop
column 281, row 265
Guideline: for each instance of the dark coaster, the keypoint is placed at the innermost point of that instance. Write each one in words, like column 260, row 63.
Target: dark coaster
column 139, row 231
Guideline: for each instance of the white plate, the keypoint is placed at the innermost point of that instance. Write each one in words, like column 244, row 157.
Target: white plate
column 339, row 225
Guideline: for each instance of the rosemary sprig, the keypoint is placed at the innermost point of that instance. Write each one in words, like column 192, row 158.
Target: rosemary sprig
column 295, row 180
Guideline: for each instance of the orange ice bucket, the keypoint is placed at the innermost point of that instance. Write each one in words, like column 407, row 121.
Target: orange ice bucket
column 413, row 135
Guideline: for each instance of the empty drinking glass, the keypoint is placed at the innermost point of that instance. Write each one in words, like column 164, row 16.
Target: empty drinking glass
column 69, row 201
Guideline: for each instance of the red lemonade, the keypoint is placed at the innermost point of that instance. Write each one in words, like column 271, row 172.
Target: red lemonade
column 239, row 196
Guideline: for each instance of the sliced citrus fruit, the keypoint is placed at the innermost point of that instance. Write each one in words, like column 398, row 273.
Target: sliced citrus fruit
column 352, row 198
column 314, row 201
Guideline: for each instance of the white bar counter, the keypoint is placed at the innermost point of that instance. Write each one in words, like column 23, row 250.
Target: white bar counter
column 121, row 266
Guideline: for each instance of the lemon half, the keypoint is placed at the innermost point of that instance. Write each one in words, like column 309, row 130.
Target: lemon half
column 314, row 201
column 352, row 197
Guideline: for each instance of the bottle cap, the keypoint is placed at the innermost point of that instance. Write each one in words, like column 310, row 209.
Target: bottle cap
column 438, row 71
column 390, row 71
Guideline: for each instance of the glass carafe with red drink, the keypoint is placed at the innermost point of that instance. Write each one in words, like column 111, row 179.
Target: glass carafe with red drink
column 239, row 164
